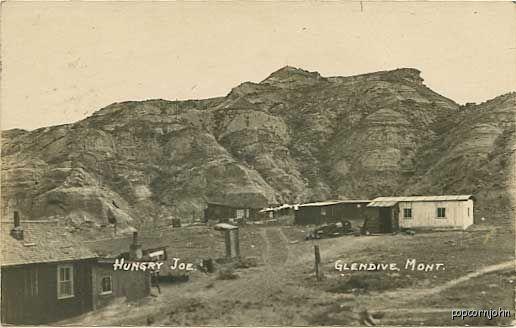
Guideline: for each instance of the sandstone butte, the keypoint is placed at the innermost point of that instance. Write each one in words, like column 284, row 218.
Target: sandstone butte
column 295, row 136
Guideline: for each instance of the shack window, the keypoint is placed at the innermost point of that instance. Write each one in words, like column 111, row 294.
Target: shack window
column 106, row 285
column 323, row 211
column 31, row 282
column 64, row 281
column 407, row 213
column 441, row 213
column 240, row 213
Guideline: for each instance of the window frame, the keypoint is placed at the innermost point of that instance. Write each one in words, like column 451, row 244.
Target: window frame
column 60, row 296
column 323, row 211
column 106, row 292
column 240, row 213
column 411, row 214
column 444, row 213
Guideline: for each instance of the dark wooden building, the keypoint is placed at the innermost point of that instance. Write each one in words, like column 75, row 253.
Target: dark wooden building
column 135, row 248
column 46, row 273
column 332, row 211
column 225, row 212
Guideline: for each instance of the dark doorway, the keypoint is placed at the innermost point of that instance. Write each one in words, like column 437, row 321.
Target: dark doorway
column 385, row 219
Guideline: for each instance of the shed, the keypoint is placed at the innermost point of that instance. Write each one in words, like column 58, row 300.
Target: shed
column 443, row 211
column 135, row 248
column 354, row 210
column 223, row 212
column 231, row 237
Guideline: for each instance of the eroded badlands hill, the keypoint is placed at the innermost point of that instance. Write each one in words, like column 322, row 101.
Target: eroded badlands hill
column 296, row 136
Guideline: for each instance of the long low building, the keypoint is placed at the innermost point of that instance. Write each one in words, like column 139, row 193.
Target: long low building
column 389, row 214
column 332, row 211
column 446, row 211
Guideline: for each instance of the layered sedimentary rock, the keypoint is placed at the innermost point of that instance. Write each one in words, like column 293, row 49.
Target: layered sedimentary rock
column 294, row 137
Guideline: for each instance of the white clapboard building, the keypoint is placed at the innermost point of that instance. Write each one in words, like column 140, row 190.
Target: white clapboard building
column 447, row 211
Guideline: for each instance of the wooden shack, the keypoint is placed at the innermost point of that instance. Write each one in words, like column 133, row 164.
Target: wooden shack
column 329, row 211
column 46, row 273
column 131, row 285
column 221, row 212
column 444, row 211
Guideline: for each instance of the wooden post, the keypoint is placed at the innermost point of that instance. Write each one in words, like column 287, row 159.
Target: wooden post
column 317, row 261
column 227, row 239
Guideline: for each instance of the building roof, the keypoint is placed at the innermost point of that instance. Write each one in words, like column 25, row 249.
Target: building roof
column 333, row 202
column 240, row 206
column 43, row 242
column 380, row 203
column 114, row 247
column 391, row 201
column 224, row 226
column 277, row 208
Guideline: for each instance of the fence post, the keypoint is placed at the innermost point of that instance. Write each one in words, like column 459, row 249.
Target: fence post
column 317, row 261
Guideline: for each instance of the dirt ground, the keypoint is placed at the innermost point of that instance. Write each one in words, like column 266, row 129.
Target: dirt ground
column 282, row 289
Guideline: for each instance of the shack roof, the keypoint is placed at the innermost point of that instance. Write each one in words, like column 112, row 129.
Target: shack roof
column 224, row 226
column 277, row 208
column 391, row 201
column 380, row 203
column 239, row 206
column 114, row 247
column 43, row 242
column 334, row 202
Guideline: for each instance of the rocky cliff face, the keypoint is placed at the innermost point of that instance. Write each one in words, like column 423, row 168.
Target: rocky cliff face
column 296, row 136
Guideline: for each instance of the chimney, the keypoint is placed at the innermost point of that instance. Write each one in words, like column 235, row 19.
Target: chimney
column 17, row 230
column 135, row 250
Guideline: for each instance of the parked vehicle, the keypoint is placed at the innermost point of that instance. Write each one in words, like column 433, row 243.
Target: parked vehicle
column 329, row 230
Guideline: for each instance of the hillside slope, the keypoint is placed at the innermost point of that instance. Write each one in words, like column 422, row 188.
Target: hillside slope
column 296, row 136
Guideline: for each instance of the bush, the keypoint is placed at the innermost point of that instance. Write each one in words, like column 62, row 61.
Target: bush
column 248, row 262
column 227, row 274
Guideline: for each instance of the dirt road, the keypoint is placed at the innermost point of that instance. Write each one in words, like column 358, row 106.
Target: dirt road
column 280, row 291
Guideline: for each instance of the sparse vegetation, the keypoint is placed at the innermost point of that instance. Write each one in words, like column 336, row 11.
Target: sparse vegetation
column 227, row 273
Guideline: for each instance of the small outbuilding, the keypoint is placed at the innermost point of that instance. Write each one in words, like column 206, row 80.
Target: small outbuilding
column 445, row 211
column 222, row 212
column 231, row 238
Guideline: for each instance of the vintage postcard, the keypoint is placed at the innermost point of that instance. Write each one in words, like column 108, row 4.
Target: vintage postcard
column 258, row 163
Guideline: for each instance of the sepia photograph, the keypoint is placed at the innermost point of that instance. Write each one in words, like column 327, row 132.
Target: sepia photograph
column 258, row 163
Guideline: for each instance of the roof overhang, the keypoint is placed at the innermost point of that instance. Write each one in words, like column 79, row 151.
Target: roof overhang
column 382, row 204
column 224, row 226
column 19, row 264
column 439, row 198
column 335, row 202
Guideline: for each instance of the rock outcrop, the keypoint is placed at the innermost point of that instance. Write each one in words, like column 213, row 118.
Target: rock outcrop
column 296, row 136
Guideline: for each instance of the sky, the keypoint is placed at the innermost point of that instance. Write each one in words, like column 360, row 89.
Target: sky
column 62, row 61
